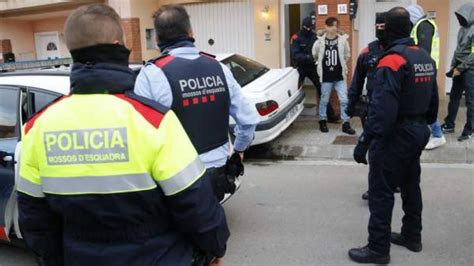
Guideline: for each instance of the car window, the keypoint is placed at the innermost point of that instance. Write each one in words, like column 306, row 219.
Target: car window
column 35, row 101
column 244, row 69
column 39, row 100
column 8, row 112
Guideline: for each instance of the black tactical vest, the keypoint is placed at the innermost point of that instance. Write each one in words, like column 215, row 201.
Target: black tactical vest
column 201, row 99
column 417, row 87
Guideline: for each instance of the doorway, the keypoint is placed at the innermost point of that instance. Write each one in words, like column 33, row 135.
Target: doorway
column 47, row 45
column 293, row 13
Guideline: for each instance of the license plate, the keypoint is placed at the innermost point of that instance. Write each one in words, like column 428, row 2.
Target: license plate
column 292, row 113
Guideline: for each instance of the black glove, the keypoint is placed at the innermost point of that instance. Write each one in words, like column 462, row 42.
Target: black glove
column 360, row 152
column 234, row 166
column 201, row 258
column 450, row 73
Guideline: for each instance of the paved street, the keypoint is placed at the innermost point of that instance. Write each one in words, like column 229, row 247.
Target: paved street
column 310, row 213
column 302, row 213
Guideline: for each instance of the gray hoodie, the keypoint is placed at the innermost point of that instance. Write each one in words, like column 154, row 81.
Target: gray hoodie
column 463, row 58
column 416, row 13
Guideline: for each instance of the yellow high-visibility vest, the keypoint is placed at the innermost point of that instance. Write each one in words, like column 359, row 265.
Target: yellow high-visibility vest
column 105, row 144
column 435, row 42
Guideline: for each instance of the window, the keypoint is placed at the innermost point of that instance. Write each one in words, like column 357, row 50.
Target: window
column 39, row 100
column 8, row 112
column 34, row 101
column 244, row 69
column 150, row 39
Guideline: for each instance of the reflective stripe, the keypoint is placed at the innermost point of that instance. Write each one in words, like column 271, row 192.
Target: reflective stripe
column 183, row 179
column 98, row 184
column 435, row 42
column 30, row 188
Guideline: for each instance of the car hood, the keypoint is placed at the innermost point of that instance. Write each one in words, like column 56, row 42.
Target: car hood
column 268, row 79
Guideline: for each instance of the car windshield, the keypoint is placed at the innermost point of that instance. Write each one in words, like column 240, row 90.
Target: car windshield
column 244, row 69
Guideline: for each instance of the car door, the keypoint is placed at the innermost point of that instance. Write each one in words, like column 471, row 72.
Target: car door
column 17, row 105
column 32, row 101
column 9, row 136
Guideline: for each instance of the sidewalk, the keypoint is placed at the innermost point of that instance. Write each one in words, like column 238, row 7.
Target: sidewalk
column 304, row 141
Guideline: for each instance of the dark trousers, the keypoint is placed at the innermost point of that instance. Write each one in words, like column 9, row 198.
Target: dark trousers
column 312, row 74
column 396, row 162
column 462, row 83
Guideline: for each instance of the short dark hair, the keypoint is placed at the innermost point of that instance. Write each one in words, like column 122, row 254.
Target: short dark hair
column 172, row 22
column 330, row 21
column 81, row 28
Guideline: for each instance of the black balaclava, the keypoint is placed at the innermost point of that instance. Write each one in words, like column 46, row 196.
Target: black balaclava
column 308, row 24
column 397, row 24
column 380, row 34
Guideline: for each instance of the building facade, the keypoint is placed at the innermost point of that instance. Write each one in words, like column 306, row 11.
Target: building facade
column 259, row 29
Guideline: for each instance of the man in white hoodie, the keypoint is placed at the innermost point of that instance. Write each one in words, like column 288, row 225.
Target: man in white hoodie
column 331, row 52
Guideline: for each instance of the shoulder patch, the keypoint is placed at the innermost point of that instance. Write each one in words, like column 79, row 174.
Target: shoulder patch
column 162, row 61
column 30, row 123
column 364, row 51
column 153, row 112
column 414, row 47
column 392, row 61
column 294, row 37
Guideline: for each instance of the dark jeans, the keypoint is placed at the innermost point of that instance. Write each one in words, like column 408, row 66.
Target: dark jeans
column 462, row 83
column 311, row 73
column 395, row 162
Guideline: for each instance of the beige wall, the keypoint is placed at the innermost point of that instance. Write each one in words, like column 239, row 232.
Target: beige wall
column 167, row 2
column 442, row 21
column 123, row 7
column 14, row 4
column 21, row 35
column 144, row 10
column 355, row 50
column 53, row 24
column 267, row 52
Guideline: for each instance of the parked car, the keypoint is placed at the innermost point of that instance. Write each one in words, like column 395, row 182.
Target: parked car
column 275, row 93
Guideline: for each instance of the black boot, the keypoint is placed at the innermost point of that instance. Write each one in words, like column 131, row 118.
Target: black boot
column 366, row 255
column 346, row 128
column 399, row 239
column 365, row 196
column 323, row 126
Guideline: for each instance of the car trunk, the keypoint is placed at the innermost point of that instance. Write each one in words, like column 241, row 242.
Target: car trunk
column 280, row 85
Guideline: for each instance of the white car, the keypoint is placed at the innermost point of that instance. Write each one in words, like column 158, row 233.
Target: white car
column 275, row 93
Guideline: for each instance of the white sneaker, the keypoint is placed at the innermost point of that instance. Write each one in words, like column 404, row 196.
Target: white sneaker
column 435, row 143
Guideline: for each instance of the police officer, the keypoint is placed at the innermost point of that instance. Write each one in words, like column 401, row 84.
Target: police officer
column 405, row 100
column 366, row 68
column 301, row 44
column 110, row 178
column 202, row 92
column 425, row 34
